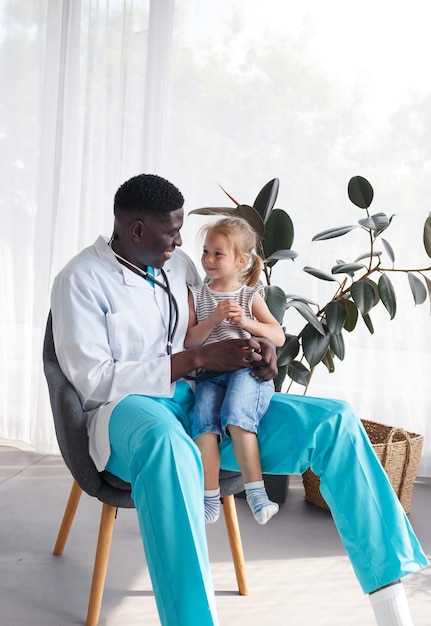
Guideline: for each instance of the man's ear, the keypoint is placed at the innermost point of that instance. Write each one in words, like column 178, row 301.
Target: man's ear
column 136, row 230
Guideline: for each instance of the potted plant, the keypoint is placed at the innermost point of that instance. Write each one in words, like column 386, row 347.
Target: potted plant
column 361, row 283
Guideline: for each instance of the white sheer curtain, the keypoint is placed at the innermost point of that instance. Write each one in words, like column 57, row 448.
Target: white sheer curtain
column 93, row 92
column 74, row 125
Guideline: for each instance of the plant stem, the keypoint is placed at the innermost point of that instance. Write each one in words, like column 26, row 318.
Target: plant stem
column 406, row 271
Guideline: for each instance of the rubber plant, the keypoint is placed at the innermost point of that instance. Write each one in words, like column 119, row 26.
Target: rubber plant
column 361, row 283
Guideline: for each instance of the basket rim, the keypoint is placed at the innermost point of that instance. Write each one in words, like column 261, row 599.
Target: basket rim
column 388, row 428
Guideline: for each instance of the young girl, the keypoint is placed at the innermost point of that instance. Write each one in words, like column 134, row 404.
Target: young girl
column 230, row 305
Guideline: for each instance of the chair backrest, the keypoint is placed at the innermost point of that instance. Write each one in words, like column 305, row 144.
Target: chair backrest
column 71, row 430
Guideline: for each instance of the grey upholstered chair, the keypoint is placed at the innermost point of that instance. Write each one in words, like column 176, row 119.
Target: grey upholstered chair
column 70, row 426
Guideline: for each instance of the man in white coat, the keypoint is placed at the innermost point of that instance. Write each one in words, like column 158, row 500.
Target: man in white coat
column 120, row 314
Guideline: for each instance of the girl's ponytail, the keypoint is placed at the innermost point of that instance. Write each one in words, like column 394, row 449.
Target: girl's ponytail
column 253, row 270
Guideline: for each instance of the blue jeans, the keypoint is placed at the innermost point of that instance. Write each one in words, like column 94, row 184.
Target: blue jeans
column 151, row 449
column 230, row 398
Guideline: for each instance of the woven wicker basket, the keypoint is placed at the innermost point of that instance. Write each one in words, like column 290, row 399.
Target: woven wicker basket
column 399, row 453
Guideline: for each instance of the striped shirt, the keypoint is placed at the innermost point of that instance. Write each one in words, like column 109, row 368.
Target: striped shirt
column 206, row 300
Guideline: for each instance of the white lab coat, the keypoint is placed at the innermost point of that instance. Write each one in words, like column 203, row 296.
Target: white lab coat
column 110, row 333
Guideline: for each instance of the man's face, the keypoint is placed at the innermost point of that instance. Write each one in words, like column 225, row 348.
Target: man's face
column 160, row 236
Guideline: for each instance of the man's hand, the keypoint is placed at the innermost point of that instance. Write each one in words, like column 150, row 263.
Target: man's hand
column 256, row 353
column 230, row 354
column 226, row 356
column 266, row 368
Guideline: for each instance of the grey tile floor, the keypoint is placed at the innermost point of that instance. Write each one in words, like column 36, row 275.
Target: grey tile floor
column 298, row 572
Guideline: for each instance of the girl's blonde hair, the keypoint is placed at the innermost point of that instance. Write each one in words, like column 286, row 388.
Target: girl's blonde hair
column 242, row 239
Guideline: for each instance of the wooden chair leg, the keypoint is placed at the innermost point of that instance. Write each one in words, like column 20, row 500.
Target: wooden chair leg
column 69, row 514
column 232, row 527
column 101, row 563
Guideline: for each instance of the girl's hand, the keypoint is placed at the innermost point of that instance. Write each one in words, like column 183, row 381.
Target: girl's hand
column 228, row 310
column 238, row 316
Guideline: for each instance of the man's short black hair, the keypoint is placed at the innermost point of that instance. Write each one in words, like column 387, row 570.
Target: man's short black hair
column 147, row 193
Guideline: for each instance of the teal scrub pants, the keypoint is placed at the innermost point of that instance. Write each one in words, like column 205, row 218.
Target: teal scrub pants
column 151, row 448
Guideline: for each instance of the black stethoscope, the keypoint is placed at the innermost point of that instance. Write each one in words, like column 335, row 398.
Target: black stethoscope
column 173, row 304
column 173, row 310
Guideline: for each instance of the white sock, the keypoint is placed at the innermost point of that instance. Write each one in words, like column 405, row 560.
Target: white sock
column 390, row 606
column 212, row 505
column 261, row 506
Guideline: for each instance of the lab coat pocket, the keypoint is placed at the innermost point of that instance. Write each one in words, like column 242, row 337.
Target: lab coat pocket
column 126, row 335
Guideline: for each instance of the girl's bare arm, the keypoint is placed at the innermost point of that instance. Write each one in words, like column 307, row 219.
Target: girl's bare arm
column 265, row 324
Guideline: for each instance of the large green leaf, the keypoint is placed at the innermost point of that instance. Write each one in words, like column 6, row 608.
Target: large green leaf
column 222, row 210
column 347, row 268
column 242, row 210
column 377, row 223
column 279, row 233
column 276, row 301
column 368, row 255
column 281, row 255
column 376, row 290
column 335, row 316
column 368, row 323
column 360, row 192
column 337, row 345
column 417, row 288
column 331, row 233
column 299, row 373
column 289, row 351
column 318, row 273
column 266, row 198
column 351, row 315
column 428, row 284
column 291, row 296
column 328, row 362
column 307, row 313
column 427, row 235
column 387, row 295
column 314, row 344
column 389, row 251
column 363, row 295
column 252, row 217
